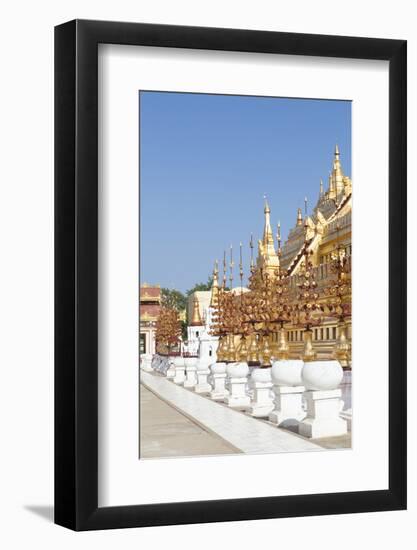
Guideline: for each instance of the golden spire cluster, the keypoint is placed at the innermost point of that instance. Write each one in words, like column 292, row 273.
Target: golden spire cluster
column 253, row 324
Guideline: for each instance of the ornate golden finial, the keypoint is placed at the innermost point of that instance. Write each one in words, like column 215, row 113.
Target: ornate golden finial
column 240, row 266
column 267, row 256
column 279, row 237
column 196, row 318
column 224, row 269
column 231, row 265
column 299, row 217
column 252, row 265
column 305, row 227
column 267, row 210
column 268, row 239
column 321, row 188
column 215, row 286
column 332, row 189
column 337, row 175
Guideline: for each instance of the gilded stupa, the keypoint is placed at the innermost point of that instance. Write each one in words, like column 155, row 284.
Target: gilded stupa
column 307, row 256
column 196, row 317
column 268, row 258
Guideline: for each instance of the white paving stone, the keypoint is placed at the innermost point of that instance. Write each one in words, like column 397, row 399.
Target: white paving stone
column 248, row 434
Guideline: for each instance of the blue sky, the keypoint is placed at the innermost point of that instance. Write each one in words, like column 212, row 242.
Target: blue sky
column 206, row 162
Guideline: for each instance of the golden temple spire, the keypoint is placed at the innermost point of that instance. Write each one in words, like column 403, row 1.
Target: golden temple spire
column 231, row 267
column 196, row 318
column 251, row 245
column 224, row 270
column 215, row 286
column 268, row 238
column 337, row 174
column 332, row 189
column 321, row 188
column 240, row 265
column 299, row 217
column 267, row 255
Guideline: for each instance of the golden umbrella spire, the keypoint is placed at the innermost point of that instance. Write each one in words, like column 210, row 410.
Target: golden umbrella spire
column 231, row 265
column 268, row 239
column 267, row 255
column 240, row 265
column 196, row 318
column 224, row 269
column 251, row 245
column 299, row 217
column 215, row 286
column 279, row 238
column 337, row 172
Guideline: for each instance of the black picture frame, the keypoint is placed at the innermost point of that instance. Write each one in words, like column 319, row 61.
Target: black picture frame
column 76, row 272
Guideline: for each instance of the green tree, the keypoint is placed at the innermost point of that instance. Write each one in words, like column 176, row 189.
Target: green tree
column 173, row 299
column 201, row 286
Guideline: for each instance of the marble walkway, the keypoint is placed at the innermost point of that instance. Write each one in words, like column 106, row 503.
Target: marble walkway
column 247, row 434
column 165, row 432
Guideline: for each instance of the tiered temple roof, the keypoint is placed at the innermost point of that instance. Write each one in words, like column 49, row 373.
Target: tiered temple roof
column 150, row 302
column 332, row 213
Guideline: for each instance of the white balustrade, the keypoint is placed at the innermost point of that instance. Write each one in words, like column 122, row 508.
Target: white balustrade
column 179, row 370
column 237, row 379
column 203, row 372
column 323, row 397
column 288, row 393
column 146, row 362
column 261, row 403
column 218, row 376
column 190, row 372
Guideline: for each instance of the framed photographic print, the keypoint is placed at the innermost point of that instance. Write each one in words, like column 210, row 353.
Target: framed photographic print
column 230, row 275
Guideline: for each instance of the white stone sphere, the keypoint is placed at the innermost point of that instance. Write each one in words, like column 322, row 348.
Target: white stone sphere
column 218, row 368
column 237, row 370
column 322, row 375
column 287, row 372
column 262, row 374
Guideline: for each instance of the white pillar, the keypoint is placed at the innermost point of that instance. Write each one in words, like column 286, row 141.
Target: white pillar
column 323, row 410
column 179, row 370
column 146, row 362
column 261, row 404
column 218, row 374
column 171, row 369
column 202, row 373
column 323, row 397
column 347, row 415
column 288, row 393
column 190, row 372
column 288, row 406
column 237, row 377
